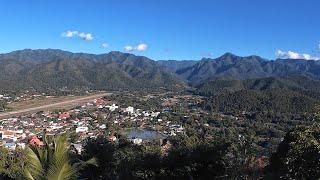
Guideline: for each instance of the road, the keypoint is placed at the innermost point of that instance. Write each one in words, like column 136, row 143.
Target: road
column 62, row 104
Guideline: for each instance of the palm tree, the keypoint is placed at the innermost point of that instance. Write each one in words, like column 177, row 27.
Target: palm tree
column 52, row 161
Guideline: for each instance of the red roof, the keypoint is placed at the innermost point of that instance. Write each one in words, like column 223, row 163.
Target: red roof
column 8, row 133
column 100, row 102
column 64, row 115
column 35, row 141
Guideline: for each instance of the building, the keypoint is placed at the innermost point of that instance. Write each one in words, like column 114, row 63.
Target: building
column 82, row 129
column 129, row 110
column 35, row 141
column 64, row 116
column 113, row 107
column 137, row 141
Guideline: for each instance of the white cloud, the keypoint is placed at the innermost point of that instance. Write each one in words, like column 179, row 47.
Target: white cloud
column 70, row 34
column 141, row 47
column 82, row 35
column 128, row 48
column 105, row 45
column 294, row 55
column 86, row 36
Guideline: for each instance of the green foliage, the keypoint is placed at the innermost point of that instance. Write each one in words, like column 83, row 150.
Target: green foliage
column 293, row 83
column 298, row 155
column 52, row 161
column 275, row 100
column 190, row 159
column 12, row 163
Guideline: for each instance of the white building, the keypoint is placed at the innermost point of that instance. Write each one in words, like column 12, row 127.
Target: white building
column 113, row 107
column 129, row 110
column 78, row 147
column 145, row 113
column 82, row 129
column 103, row 126
column 137, row 141
column 155, row 114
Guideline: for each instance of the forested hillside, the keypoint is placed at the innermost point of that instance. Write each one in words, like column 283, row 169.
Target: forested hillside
column 48, row 70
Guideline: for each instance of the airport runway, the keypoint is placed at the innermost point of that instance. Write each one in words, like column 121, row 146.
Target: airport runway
column 73, row 102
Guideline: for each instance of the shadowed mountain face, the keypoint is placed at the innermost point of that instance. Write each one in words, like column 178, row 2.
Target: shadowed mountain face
column 230, row 66
column 55, row 69
column 175, row 65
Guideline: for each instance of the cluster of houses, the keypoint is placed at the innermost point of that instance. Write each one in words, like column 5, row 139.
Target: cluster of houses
column 24, row 96
column 87, row 121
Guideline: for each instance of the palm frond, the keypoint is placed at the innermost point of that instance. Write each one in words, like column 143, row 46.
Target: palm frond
column 34, row 167
column 52, row 161
column 61, row 171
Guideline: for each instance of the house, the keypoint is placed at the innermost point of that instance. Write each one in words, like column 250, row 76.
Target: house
column 9, row 135
column 137, row 141
column 10, row 145
column 78, row 147
column 82, row 129
column 155, row 114
column 35, row 141
column 129, row 110
column 113, row 107
column 21, row 145
column 167, row 110
column 112, row 138
column 99, row 102
column 145, row 113
column 64, row 116
column 103, row 126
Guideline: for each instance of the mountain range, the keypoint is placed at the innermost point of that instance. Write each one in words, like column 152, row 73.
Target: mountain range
column 52, row 69
column 230, row 66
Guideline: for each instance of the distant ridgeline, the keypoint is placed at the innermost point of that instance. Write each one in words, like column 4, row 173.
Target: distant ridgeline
column 51, row 69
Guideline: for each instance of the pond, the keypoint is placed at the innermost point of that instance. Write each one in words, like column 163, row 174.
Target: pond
column 144, row 134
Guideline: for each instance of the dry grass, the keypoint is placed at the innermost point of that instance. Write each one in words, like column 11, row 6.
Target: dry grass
column 39, row 102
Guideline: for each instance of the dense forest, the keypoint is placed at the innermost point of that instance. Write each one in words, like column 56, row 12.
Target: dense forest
column 275, row 100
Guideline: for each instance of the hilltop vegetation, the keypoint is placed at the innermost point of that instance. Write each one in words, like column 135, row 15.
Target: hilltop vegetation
column 50, row 70
column 291, row 95
column 297, row 156
column 293, row 83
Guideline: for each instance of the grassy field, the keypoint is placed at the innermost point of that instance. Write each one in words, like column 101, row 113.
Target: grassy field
column 39, row 102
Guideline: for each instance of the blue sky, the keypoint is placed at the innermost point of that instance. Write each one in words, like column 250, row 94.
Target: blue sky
column 164, row 29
